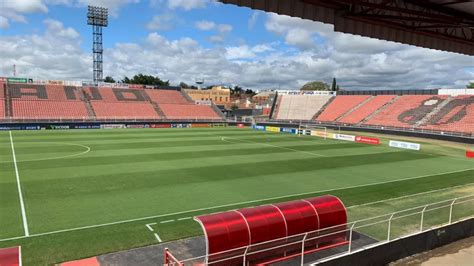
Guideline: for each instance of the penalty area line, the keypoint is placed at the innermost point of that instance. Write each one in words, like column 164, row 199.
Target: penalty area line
column 230, row 205
column 20, row 192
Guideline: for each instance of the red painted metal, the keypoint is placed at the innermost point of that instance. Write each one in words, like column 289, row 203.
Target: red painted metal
column 224, row 231
column 470, row 154
column 265, row 223
column 300, row 216
column 231, row 233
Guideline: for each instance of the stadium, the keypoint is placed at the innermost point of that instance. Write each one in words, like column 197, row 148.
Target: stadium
column 102, row 173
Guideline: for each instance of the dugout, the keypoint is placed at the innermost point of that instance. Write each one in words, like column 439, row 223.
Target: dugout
column 274, row 232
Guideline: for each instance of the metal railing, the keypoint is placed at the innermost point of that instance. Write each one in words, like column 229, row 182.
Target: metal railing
column 357, row 235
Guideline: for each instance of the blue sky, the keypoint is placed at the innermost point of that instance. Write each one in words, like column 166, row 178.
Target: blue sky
column 184, row 40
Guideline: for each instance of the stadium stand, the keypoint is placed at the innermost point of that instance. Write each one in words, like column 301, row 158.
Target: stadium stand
column 188, row 111
column 299, row 107
column 374, row 104
column 2, row 108
column 456, row 116
column 167, row 96
column 123, row 110
column 340, row 106
column 29, row 101
column 406, row 111
column 39, row 109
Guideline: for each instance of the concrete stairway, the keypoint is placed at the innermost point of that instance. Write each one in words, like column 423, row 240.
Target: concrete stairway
column 87, row 103
column 434, row 111
column 354, row 108
column 385, row 106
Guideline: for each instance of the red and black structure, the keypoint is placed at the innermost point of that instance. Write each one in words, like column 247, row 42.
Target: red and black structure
column 276, row 232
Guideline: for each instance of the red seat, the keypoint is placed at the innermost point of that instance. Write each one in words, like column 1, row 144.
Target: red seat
column 367, row 109
column 139, row 110
column 188, row 111
column 341, row 105
column 166, row 96
column 42, row 109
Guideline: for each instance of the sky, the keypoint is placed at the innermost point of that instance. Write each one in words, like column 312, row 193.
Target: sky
column 190, row 40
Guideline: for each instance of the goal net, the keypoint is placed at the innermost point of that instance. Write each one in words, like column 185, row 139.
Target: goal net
column 311, row 129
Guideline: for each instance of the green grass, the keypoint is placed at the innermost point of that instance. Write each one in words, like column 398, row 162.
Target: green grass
column 138, row 173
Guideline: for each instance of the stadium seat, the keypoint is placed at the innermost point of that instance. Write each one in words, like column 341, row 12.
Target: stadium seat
column 2, row 108
column 407, row 111
column 456, row 116
column 341, row 105
column 374, row 104
column 188, row 111
column 40, row 109
column 104, row 110
column 166, row 96
column 299, row 107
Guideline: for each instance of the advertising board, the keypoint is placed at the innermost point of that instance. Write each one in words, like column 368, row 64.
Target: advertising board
column 257, row 127
column 367, row 140
column 112, row 126
column 138, row 126
column 272, row 129
column 160, row 125
column 200, row 125
column 404, row 145
column 344, row 137
column 56, row 127
column 288, row 130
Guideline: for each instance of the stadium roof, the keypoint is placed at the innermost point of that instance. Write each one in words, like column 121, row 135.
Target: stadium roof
column 438, row 24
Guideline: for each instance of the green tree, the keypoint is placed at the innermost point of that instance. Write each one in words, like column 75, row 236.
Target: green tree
column 470, row 85
column 250, row 92
column 146, row 80
column 109, row 79
column 334, row 85
column 183, row 85
column 315, row 86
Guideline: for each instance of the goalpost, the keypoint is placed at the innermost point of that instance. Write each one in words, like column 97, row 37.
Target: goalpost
column 304, row 129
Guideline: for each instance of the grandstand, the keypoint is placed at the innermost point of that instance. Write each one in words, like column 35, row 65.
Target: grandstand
column 57, row 102
column 441, row 113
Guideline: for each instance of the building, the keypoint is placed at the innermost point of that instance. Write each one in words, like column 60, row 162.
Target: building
column 218, row 95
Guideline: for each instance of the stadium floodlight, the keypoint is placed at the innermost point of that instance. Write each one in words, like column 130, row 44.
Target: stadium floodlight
column 98, row 18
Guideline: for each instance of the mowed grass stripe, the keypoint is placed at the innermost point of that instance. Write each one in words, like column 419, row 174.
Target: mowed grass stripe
column 143, row 179
column 10, row 211
column 351, row 196
column 233, row 150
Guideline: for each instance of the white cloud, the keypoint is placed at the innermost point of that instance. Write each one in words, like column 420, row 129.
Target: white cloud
column 224, row 28
column 4, row 23
column 187, row 4
column 205, row 25
column 253, row 19
column 57, row 54
column 162, row 22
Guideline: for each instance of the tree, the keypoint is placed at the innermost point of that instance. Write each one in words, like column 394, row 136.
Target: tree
column 236, row 90
column 146, row 80
column 250, row 92
column 315, row 86
column 109, row 79
column 334, row 85
column 470, row 85
column 183, row 85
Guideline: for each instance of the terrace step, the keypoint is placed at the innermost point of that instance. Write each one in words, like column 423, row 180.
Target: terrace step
column 315, row 116
column 385, row 106
column 8, row 102
column 87, row 103
column 434, row 111
column 354, row 108
column 157, row 108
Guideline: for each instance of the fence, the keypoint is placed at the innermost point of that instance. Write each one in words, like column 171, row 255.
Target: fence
column 361, row 234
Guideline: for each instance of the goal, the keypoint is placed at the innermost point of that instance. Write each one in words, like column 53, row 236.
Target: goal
column 307, row 129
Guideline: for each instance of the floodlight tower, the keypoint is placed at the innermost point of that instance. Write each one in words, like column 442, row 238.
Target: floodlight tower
column 98, row 18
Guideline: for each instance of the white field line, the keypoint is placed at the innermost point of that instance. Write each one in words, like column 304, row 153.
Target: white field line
column 185, row 218
column 88, row 149
column 149, row 226
column 20, row 193
column 158, row 238
column 407, row 196
column 230, row 205
column 167, row 221
column 271, row 145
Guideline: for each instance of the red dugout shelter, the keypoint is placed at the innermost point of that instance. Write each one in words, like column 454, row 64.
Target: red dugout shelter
column 273, row 232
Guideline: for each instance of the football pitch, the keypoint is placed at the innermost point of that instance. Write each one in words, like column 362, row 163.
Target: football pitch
column 89, row 192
